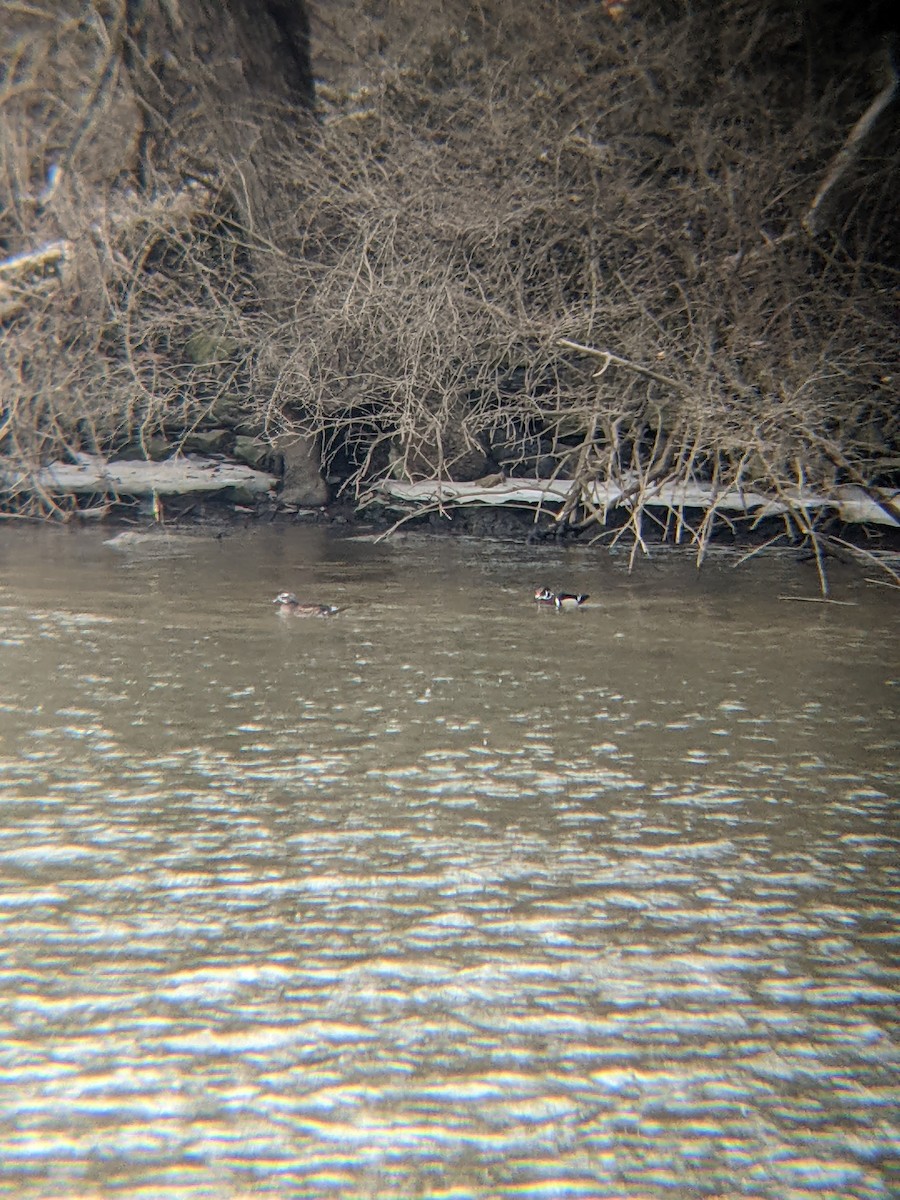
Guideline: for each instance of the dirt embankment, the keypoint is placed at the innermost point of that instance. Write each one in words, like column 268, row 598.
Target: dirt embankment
column 613, row 253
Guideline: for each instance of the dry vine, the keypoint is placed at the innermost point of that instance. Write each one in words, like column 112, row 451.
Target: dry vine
column 474, row 233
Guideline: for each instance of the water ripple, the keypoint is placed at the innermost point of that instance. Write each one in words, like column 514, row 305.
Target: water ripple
column 321, row 912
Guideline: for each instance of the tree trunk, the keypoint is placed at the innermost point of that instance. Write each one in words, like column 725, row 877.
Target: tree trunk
column 226, row 89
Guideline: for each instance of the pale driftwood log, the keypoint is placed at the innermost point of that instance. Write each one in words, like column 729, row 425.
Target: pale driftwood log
column 27, row 275
column 38, row 272
column 852, row 504
column 92, row 474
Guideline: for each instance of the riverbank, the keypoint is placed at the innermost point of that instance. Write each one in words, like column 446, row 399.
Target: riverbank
column 139, row 500
column 638, row 331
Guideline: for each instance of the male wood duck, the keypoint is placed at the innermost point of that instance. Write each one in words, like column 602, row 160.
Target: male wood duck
column 290, row 606
column 543, row 595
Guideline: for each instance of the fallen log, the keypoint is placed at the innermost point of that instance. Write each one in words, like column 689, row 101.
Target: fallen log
column 852, row 504
column 26, row 275
column 92, row 474
column 40, row 272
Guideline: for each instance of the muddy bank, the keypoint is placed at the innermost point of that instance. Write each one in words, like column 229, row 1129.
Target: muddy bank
column 221, row 512
column 144, row 502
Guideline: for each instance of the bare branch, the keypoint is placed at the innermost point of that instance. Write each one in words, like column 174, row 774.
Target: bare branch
column 814, row 219
column 611, row 359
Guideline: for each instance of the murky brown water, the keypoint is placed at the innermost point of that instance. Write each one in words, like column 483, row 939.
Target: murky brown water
column 446, row 896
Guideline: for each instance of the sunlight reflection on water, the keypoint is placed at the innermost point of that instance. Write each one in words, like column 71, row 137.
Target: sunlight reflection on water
column 445, row 896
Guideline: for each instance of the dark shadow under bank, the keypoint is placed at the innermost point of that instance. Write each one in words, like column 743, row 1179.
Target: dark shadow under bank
column 220, row 514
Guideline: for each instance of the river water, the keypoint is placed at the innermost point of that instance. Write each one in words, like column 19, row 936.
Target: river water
column 446, row 896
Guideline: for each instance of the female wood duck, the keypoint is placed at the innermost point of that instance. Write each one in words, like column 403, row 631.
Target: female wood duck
column 543, row 595
column 290, row 606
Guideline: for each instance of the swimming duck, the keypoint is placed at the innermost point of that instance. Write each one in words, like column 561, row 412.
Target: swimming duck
column 290, row 606
column 543, row 595
column 567, row 600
